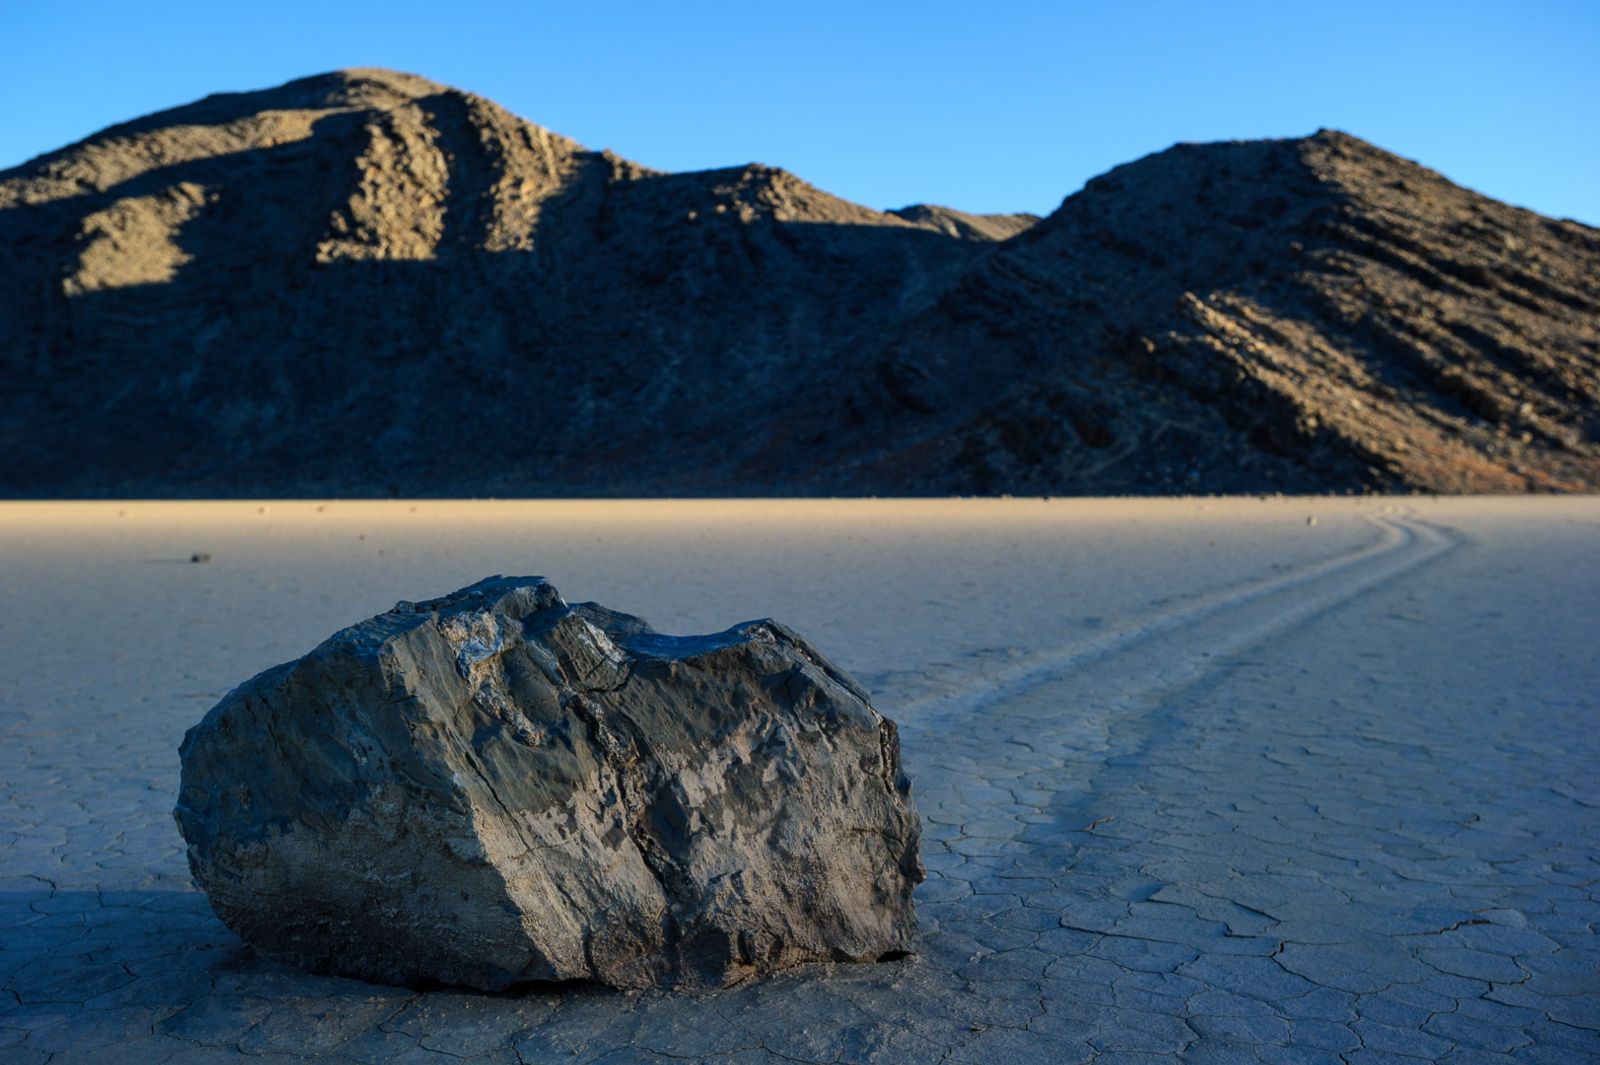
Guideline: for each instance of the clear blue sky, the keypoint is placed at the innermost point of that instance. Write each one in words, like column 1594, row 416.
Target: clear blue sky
column 984, row 106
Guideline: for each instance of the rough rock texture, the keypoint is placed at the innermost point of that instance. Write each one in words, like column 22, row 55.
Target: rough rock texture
column 496, row 787
column 343, row 285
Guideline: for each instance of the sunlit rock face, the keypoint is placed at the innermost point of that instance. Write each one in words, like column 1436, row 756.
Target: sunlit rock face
column 496, row 787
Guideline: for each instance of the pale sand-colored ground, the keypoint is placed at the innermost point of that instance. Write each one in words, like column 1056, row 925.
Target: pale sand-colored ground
column 1199, row 777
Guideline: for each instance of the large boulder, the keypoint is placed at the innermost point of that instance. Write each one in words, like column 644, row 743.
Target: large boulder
column 497, row 787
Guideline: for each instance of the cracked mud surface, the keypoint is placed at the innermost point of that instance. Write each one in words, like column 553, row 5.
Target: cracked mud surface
column 1306, row 794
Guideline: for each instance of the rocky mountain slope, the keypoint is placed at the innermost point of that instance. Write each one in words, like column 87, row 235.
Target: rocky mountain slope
column 366, row 283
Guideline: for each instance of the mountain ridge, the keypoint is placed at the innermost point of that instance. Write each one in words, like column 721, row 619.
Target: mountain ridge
column 349, row 283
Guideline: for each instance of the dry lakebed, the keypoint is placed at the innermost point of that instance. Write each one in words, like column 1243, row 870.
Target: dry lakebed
column 1212, row 780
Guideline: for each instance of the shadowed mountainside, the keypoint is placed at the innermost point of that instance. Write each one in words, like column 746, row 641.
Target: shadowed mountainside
column 364, row 283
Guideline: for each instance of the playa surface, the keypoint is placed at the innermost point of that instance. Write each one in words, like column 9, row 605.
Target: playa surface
column 1201, row 779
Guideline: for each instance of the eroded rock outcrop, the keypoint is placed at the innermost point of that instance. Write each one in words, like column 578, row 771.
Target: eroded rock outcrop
column 497, row 787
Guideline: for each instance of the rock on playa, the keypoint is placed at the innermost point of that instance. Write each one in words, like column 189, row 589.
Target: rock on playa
column 497, row 787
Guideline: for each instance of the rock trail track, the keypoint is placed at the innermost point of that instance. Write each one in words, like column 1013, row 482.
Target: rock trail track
column 1340, row 811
